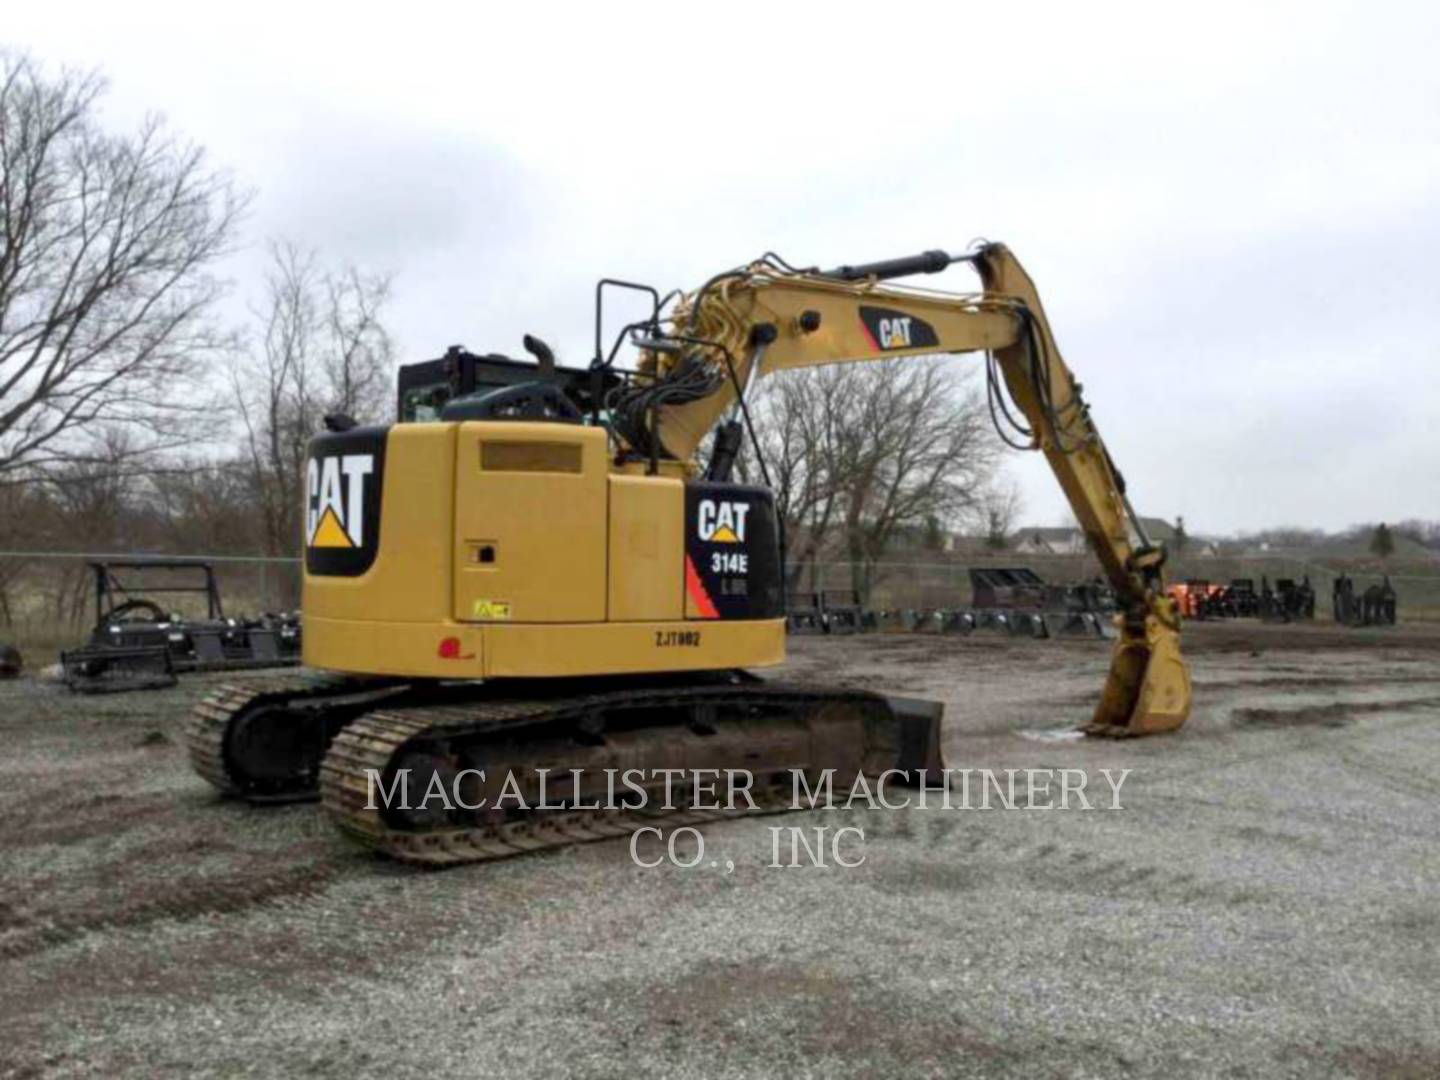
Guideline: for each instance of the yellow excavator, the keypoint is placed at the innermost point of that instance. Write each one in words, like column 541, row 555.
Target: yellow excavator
column 544, row 581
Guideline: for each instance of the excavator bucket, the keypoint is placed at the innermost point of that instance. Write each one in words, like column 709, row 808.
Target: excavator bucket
column 1148, row 689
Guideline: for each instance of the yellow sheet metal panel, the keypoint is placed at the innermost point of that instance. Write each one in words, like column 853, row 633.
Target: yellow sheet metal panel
column 556, row 650
column 517, row 651
column 437, row 650
column 647, row 548
column 409, row 580
column 529, row 525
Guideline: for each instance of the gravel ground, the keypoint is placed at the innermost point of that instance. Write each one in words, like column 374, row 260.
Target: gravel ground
column 1265, row 903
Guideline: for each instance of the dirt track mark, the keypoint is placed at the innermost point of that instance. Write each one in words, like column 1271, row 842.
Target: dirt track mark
column 67, row 822
column 23, row 934
column 1399, row 776
column 1255, row 834
column 1056, row 867
column 827, row 1017
column 1308, row 638
column 1337, row 714
column 905, row 878
column 1326, row 682
column 1407, row 1059
column 1299, row 683
column 1076, row 871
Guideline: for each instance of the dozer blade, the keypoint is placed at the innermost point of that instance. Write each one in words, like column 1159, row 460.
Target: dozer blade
column 1148, row 689
column 914, row 729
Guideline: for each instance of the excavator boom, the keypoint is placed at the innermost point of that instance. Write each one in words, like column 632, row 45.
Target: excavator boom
column 768, row 318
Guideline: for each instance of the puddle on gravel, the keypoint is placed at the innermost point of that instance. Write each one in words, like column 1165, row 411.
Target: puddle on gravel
column 1053, row 735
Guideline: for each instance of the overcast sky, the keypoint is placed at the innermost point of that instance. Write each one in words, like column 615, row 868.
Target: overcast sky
column 1232, row 213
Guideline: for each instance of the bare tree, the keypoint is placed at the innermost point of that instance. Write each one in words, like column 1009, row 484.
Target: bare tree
column 1382, row 543
column 860, row 453
column 919, row 442
column 89, row 500
column 1422, row 532
column 106, row 287
column 323, row 350
column 359, row 354
column 1001, row 507
column 799, row 416
column 23, row 513
column 203, row 505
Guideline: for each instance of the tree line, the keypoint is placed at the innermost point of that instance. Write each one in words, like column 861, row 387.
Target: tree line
column 1378, row 537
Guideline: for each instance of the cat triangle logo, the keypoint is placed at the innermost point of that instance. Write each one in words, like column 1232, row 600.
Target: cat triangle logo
column 335, row 500
column 330, row 533
column 722, row 521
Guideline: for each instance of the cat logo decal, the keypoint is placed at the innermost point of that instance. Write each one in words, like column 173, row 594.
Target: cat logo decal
column 335, row 500
column 722, row 521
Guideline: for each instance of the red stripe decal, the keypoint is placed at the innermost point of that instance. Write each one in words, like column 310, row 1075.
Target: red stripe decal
column 870, row 337
column 696, row 588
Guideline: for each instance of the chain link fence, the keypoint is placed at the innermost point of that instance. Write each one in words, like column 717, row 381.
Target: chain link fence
column 945, row 582
column 47, row 599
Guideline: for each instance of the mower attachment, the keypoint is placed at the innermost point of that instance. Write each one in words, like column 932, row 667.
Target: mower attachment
column 113, row 669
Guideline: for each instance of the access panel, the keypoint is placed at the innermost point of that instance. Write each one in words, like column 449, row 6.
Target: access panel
column 530, row 522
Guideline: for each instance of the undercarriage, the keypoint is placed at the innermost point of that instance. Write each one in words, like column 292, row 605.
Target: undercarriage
column 440, row 774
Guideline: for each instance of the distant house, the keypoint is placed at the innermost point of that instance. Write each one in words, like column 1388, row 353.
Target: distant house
column 1043, row 540
column 1158, row 529
column 964, row 544
column 1069, row 540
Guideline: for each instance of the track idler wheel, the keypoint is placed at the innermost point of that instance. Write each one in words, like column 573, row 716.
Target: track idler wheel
column 275, row 750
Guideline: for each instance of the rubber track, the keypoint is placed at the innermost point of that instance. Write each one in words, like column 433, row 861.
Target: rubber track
column 372, row 742
column 209, row 720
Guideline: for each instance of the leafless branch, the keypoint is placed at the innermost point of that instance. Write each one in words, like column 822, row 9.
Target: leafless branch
column 106, row 271
column 863, row 453
column 323, row 349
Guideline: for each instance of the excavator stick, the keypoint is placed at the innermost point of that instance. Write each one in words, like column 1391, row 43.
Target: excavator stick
column 1148, row 689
